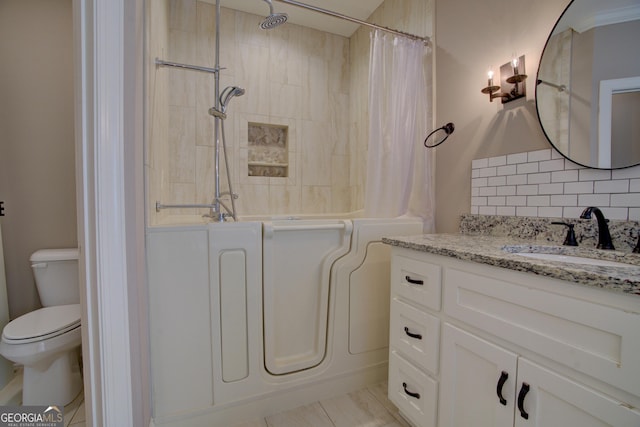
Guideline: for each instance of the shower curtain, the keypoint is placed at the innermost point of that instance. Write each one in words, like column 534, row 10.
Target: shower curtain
column 399, row 168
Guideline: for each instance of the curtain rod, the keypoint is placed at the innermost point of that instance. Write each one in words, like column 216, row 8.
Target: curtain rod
column 426, row 40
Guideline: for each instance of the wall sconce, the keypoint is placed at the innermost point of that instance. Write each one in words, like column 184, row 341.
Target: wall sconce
column 512, row 84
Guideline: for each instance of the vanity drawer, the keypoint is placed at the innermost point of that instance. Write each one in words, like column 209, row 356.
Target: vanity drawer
column 412, row 391
column 598, row 340
column 415, row 334
column 416, row 281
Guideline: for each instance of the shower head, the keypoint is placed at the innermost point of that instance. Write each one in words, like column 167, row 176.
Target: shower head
column 274, row 19
column 226, row 95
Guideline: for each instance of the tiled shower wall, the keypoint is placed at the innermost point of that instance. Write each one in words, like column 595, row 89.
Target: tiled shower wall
column 294, row 77
column 312, row 82
column 544, row 184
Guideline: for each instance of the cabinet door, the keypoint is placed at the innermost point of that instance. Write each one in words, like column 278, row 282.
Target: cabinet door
column 554, row 400
column 475, row 374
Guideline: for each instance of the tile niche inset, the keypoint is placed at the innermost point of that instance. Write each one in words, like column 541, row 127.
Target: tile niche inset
column 268, row 150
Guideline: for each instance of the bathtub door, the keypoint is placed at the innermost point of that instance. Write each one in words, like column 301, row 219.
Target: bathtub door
column 297, row 260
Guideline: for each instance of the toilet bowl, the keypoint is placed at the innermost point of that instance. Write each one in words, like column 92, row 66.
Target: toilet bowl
column 46, row 341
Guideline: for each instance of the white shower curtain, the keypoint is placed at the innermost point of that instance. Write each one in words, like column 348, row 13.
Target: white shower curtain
column 399, row 168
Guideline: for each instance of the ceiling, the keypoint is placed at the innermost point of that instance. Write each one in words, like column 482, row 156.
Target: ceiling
column 359, row 9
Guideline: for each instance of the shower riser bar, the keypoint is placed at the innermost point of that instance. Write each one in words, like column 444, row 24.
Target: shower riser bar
column 162, row 63
column 426, row 40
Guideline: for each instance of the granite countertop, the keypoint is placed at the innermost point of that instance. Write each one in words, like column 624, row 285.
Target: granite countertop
column 502, row 252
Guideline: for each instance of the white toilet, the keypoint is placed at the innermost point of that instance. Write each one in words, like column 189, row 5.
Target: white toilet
column 46, row 341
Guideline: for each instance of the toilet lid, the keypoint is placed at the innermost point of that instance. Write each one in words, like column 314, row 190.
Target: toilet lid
column 43, row 323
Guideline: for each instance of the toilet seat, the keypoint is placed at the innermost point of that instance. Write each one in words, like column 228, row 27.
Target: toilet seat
column 41, row 324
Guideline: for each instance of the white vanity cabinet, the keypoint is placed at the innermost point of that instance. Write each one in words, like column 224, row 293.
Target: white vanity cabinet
column 505, row 348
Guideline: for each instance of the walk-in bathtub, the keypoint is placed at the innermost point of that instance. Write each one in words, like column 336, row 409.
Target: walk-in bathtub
column 256, row 317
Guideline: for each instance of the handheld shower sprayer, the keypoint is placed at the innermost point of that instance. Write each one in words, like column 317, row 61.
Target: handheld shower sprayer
column 274, row 19
column 226, row 95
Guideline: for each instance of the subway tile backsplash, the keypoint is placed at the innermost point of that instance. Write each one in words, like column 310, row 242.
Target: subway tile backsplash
column 542, row 183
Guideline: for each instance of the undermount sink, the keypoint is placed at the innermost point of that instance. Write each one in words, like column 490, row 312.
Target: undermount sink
column 573, row 259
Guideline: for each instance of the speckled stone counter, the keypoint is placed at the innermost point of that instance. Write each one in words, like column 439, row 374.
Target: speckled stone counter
column 501, row 251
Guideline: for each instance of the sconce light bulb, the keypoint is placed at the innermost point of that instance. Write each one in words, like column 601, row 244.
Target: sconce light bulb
column 514, row 61
column 490, row 74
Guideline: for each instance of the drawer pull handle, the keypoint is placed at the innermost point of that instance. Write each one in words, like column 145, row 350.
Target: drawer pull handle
column 414, row 281
column 410, row 393
column 501, row 381
column 416, row 336
column 523, row 393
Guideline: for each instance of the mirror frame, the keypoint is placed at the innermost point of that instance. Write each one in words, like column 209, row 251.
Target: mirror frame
column 537, row 106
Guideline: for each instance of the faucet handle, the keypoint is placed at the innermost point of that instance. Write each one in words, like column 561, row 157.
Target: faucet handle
column 570, row 239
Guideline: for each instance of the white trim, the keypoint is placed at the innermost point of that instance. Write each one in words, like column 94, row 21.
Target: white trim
column 607, row 89
column 100, row 133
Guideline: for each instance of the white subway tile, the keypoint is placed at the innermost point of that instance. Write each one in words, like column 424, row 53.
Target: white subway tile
column 497, row 181
column 497, row 201
column 516, row 158
column 487, row 191
column 631, row 200
column 516, row 179
column 551, row 188
column 475, row 173
column 539, row 178
column 474, row 210
column 616, row 213
column 538, row 201
column 617, row 186
column 550, row 212
column 487, row 210
column 506, row 170
column 479, row 201
column 566, row 200
column 633, row 172
column 634, row 214
column 484, row 172
column 528, row 168
column 527, row 190
column 540, row 155
column 479, row 163
column 506, row 210
column 552, row 165
column 498, row 161
column 599, row 200
column 564, row 176
column 517, row 201
column 479, row 182
column 475, row 192
column 634, row 186
column 571, row 212
column 578, row 187
column 594, row 174
column 506, row 190
column 526, row 211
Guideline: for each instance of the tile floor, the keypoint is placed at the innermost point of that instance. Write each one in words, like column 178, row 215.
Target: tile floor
column 368, row 407
column 74, row 414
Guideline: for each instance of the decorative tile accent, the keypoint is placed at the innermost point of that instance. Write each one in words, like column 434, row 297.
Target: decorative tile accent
column 542, row 183
column 268, row 150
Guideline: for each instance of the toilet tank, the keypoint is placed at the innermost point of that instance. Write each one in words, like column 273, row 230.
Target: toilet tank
column 56, row 274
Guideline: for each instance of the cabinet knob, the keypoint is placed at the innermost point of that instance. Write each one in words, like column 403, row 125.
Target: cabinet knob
column 501, row 381
column 523, row 393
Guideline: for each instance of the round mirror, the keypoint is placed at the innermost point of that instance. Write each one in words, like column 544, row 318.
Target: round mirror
column 588, row 84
